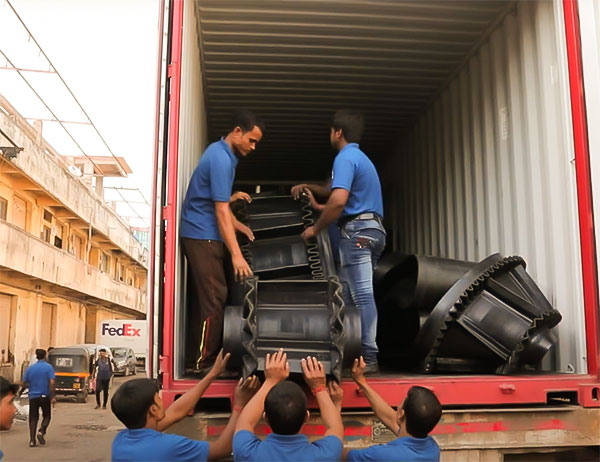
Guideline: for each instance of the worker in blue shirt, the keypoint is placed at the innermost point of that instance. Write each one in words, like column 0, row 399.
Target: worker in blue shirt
column 207, row 233
column 354, row 199
column 284, row 405
column 412, row 422
column 137, row 403
column 40, row 379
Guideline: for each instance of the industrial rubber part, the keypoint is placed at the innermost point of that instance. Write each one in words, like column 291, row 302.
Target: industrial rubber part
column 494, row 318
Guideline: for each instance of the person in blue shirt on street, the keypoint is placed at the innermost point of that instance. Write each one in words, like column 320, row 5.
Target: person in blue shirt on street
column 412, row 422
column 103, row 372
column 285, row 410
column 355, row 201
column 207, row 233
column 39, row 377
column 8, row 392
column 137, row 403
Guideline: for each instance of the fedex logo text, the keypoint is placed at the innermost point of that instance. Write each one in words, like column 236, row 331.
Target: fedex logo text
column 125, row 331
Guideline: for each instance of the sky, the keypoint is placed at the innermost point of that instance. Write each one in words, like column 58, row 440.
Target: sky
column 106, row 51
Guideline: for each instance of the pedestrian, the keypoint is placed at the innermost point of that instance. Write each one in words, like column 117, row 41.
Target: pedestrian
column 39, row 377
column 8, row 392
column 138, row 404
column 207, row 233
column 355, row 201
column 103, row 372
column 412, row 422
column 285, row 409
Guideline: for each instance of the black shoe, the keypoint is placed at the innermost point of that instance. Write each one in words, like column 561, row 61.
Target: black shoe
column 97, row 406
column 372, row 368
column 104, row 408
column 41, row 438
column 32, row 444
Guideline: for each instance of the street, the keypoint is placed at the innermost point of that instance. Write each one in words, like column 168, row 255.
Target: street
column 77, row 432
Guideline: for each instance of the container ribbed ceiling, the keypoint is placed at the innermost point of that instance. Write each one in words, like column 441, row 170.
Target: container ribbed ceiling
column 296, row 62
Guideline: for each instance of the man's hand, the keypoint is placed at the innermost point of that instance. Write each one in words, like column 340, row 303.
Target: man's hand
column 314, row 373
column 53, row 401
column 337, row 394
column 313, row 202
column 240, row 268
column 246, row 232
column 240, row 195
column 277, row 369
column 297, row 190
column 219, row 366
column 358, row 371
column 309, row 233
column 245, row 390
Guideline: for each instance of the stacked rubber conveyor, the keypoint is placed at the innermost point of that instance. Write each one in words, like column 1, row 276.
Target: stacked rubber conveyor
column 441, row 315
column 294, row 299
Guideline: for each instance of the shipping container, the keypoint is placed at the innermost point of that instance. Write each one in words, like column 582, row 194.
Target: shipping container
column 482, row 121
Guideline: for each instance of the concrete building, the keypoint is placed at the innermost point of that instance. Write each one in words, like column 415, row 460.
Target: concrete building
column 67, row 260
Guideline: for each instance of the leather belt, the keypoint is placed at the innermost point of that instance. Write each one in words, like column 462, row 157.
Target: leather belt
column 361, row 216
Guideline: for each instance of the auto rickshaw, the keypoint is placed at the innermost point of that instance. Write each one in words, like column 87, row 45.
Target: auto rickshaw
column 72, row 371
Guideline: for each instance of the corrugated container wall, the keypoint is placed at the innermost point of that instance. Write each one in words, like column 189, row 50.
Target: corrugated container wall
column 488, row 167
column 192, row 142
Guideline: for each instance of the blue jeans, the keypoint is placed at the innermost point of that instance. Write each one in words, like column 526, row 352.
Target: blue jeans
column 361, row 246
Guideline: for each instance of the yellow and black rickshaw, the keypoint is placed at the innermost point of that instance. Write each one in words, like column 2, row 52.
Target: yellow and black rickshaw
column 72, row 371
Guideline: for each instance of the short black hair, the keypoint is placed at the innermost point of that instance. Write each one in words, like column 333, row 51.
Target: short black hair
column 102, row 349
column 40, row 353
column 7, row 388
column 132, row 400
column 246, row 120
column 422, row 410
column 285, row 408
column 351, row 122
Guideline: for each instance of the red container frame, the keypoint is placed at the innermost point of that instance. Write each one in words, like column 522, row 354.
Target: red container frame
column 454, row 391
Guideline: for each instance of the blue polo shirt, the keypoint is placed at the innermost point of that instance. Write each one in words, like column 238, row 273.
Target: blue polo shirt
column 148, row 445
column 407, row 449
column 294, row 448
column 38, row 377
column 211, row 182
column 354, row 172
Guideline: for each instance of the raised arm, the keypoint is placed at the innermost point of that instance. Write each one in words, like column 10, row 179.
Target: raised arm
column 314, row 375
column 334, row 207
column 186, row 403
column 227, row 231
column 322, row 191
column 277, row 369
column 383, row 410
column 244, row 391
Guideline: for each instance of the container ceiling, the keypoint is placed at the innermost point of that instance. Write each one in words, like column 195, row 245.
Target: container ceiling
column 296, row 62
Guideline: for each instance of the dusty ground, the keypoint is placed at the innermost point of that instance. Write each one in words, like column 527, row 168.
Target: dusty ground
column 77, row 432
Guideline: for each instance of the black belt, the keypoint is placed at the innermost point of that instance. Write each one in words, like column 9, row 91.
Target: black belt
column 342, row 221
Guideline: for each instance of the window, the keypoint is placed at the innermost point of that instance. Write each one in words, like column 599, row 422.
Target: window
column 3, row 208
column 76, row 245
column 46, row 234
column 104, row 262
column 58, row 235
column 19, row 212
column 47, row 216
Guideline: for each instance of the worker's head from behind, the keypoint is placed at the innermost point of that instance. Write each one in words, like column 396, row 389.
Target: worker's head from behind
column 420, row 412
column 8, row 392
column 246, row 131
column 285, row 408
column 40, row 354
column 137, row 403
column 347, row 126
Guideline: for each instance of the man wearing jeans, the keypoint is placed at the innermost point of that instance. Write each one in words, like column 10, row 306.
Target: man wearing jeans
column 355, row 197
column 40, row 379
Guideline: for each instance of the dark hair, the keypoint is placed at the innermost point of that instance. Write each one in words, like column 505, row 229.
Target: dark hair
column 422, row 410
column 285, row 408
column 132, row 400
column 351, row 122
column 246, row 120
column 40, row 353
column 7, row 388
column 102, row 349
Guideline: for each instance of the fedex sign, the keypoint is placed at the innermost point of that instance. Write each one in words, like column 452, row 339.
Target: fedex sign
column 129, row 333
column 125, row 331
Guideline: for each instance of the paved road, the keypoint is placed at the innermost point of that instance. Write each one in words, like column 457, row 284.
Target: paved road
column 77, row 432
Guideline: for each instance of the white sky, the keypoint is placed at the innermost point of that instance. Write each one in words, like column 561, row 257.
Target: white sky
column 106, row 51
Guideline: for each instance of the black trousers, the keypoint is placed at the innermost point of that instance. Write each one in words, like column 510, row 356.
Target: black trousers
column 35, row 404
column 102, row 385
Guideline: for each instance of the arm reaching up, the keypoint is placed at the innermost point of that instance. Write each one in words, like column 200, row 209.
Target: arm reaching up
column 244, row 391
column 314, row 375
column 277, row 369
column 383, row 410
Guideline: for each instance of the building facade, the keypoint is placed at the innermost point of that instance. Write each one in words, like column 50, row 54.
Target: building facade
column 67, row 260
